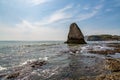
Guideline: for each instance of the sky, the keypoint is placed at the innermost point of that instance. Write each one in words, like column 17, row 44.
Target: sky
column 50, row 19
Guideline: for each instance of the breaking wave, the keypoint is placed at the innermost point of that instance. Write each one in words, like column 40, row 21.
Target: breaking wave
column 33, row 60
column 2, row 68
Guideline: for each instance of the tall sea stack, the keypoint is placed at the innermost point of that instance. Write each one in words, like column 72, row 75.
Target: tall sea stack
column 75, row 35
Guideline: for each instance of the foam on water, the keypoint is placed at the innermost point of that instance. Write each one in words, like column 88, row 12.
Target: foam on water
column 47, row 73
column 33, row 60
column 95, row 48
column 60, row 58
column 45, row 58
column 99, row 47
column 2, row 68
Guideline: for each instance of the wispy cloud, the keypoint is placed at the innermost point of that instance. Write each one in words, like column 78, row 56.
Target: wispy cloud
column 88, row 15
column 58, row 15
column 25, row 23
column 37, row 2
column 42, row 19
column 27, row 31
column 64, row 15
column 39, row 30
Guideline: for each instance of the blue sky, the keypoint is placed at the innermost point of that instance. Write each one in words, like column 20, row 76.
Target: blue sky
column 50, row 19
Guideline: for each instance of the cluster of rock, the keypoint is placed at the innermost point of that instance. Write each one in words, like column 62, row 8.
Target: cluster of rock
column 112, row 65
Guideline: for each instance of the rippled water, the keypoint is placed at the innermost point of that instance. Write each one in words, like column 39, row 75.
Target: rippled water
column 64, row 62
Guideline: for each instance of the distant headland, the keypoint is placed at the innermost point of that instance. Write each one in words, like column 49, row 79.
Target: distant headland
column 103, row 37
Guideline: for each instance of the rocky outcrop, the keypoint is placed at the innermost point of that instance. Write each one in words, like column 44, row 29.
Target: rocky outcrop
column 112, row 65
column 75, row 35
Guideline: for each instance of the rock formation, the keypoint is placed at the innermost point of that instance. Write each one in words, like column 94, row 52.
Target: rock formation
column 75, row 35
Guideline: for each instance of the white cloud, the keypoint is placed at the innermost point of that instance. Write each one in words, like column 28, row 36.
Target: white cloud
column 37, row 2
column 87, row 15
column 90, row 14
column 28, row 31
column 58, row 15
column 42, row 30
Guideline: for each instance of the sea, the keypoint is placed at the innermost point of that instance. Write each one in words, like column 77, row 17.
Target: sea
column 63, row 61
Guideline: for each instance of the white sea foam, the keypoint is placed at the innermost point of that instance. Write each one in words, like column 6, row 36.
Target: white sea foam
column 45, row 58
column 2, row 68
column 95, row 48
column 49, row 72
column 28, row 61
column 46, row 73
column 33, row 60
column 98, row 47
column 85, row 48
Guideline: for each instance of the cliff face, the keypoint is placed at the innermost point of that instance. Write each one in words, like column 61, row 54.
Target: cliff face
column 75, row 35
column 103, row 38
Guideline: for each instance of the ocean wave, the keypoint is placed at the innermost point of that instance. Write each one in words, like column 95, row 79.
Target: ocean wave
column 95, row 48
column 2, row 68
column 33, row 60
column 36, row 45
column 47, row 73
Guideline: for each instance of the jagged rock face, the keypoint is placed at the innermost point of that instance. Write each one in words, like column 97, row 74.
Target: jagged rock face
column 75, row 35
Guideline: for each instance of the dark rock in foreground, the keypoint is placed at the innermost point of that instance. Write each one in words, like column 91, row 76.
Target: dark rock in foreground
column 75, row 35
